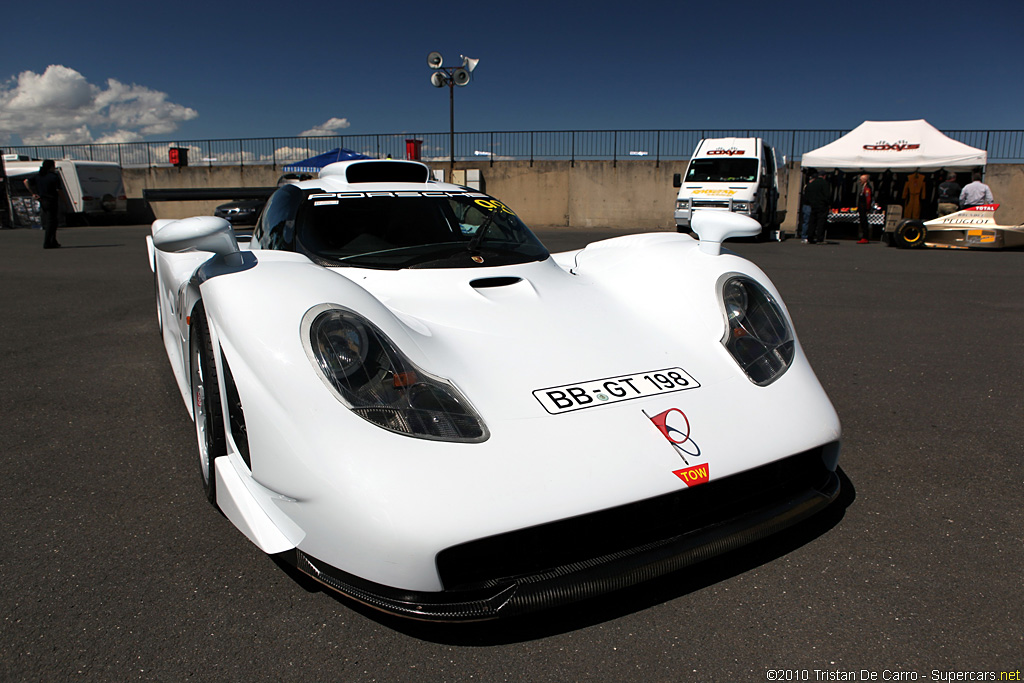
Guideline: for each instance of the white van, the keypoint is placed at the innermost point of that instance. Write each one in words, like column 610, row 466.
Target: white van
column 731, row 174
column 93, row 190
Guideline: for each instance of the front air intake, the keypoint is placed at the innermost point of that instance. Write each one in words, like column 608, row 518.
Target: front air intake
column 487, row 282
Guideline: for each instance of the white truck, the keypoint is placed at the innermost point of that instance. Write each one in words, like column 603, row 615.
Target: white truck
column 93, row 191
column 731, row 174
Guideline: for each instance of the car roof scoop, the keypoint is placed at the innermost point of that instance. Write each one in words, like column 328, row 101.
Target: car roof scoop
column 377, row 171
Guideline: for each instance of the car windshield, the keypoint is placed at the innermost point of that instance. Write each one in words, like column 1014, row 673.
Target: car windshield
column 722, row 170
column 414, row 229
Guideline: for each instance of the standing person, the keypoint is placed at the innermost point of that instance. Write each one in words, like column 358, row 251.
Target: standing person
column 949, row 195
column 45, row 186
column 975, row 193
column 865, row 193
column 5, row 221
column 805, row 212
column 817, row 195
column 805, row 220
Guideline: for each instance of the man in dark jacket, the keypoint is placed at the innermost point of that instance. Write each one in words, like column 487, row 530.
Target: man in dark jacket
column 865, row 198
column 818, row 196
column 45, row 186
column 949, row 195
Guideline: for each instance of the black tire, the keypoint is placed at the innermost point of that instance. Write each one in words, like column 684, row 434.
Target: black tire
column 910, row 234
column 75, row 220
column 206, row 407
column 766, row 234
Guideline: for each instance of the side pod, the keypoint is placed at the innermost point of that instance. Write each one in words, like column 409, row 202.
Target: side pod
column 237, row 503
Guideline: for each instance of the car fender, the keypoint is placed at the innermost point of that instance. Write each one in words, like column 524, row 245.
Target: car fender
column 257, row 318
column 660, row 273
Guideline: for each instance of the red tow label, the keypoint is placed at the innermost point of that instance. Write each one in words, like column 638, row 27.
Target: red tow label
column 693, row 476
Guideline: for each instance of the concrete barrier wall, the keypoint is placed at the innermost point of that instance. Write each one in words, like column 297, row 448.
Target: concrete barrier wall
column 1007, row 183
column 591, row 194
column 625, row 194
column 631, row 194
column 194, row 177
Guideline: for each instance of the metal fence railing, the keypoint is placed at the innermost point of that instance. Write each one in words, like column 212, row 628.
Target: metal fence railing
column 657, row 145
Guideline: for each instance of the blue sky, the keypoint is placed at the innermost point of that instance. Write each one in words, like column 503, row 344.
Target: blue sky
column 190, row 70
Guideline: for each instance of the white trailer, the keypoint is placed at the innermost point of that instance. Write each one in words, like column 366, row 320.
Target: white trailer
column 93, row 191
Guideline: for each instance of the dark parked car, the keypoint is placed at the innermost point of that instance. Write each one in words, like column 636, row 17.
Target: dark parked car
column 241, row 212
column 246, row 211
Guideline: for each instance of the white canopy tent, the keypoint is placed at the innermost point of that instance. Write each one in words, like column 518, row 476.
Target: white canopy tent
column 901, row 146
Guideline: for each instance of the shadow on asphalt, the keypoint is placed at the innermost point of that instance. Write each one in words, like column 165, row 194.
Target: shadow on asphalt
column 66, row 247
column 610, row 606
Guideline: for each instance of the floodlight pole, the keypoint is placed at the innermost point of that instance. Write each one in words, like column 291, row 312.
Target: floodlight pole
column 450, row 76
column 451, row 129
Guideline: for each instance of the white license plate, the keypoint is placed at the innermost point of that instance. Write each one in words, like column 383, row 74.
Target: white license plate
column 599, row 392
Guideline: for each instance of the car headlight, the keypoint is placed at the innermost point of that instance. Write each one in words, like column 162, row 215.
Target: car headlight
column 758, row 335
column 377, row 382
column 682, row 204
column 741, row 206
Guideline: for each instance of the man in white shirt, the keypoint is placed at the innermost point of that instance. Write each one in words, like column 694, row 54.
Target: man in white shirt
column 975, row 193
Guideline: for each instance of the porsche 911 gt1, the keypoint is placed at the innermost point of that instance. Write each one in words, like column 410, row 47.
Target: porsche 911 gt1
column 397, row 388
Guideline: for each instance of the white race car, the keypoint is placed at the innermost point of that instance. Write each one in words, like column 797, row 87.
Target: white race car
column 973, row 228
column 396, row 388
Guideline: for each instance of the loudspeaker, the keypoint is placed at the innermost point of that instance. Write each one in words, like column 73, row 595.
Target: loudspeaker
column 434, row 60
column 460, row 76
column 438, row 79
column 469, row 64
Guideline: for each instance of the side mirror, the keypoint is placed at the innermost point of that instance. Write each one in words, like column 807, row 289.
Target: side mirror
column 677, row 180
column 199, row 233
column 714, row 227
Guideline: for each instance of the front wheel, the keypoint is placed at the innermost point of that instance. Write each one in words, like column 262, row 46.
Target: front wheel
column 910, row 234
column 206, row 407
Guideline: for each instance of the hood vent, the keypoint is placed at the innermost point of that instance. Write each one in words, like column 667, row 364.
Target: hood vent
column 488, row 282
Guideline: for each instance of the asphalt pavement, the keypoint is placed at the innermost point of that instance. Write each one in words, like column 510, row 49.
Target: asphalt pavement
column 114, row 567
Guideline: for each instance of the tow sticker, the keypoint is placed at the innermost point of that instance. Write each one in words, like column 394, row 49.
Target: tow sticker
column 675, row 427
column 692, row 476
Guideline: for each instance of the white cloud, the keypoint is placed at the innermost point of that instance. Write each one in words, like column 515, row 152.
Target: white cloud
column 60, row 106
column 328, row 127
column 119, row 136
column 287, row 155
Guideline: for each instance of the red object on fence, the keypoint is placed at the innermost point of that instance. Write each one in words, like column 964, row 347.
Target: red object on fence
column 178, row 156
column 412, row 149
